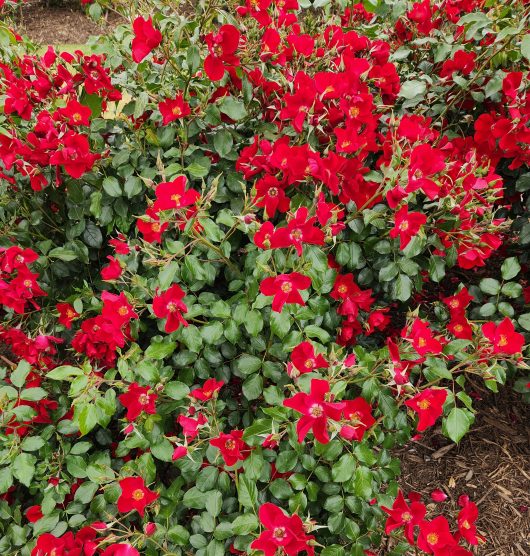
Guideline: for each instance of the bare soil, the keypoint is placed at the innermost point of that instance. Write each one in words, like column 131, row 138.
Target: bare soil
column 491, row 465
column 61, row 23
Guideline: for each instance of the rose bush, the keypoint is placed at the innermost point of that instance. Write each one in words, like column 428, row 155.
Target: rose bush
column 247, row 251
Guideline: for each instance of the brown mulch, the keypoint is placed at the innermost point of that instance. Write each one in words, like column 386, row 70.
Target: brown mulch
column 491, row 465
column 61, row 23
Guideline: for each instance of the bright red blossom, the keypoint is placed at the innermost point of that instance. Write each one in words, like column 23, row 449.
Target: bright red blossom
column 135, row 495
column 138, row 400
column 428, row 405
column 146, row 38
column 169, row 305
column 231, row 446
column 285, row 288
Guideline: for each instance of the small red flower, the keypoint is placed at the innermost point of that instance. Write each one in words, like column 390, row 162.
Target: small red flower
column 285, row 288
column 404, row 515
column 315, row 410
column 270, row 195
column 138, row 400
column 208, row 390
column 503, row 336
column 407, row 225
column 146, row 38
column 75, row 113
column 263, row 237
column 305, row 360
column 66, row 314
column 423, row 339
column 135, row 495
column 222, row 47
column 120, row 549
column 435, row 535
column 467, row 517
column 179, row 452
column 190, row 426
column 299, row 230
column 428, row 405
column 173, row 195
column 169, row 305
column 150, row 227
column 232, row 447
column 172, row 110
column 34, row 513
column 358, row 413
column 282, row 532
column 113, row 270
column 458, row 303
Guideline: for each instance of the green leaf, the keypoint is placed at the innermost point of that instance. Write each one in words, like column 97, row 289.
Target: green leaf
column 457, row 423
column 286, row 461
column 254, row 322
column 194, row 498
column 32, row 443
column 343, row 469
column 413, row 88
column 363, row 482
column 247, row 492
column 490, row 286
column 18, row 376
column 24, row 468
column 525, row 46
column 233, row 108
column 162, row 450
column 112, row 187
column 92, row 235
column 63, row 372
column 280, row 324
column 160, row 350
column 212, row 333
column 248, row 364
column 223, row 142
column 245, row 524
column 6, row 479
column 86, row 418
column 253, row 387
column 402, row 287
column 524, row 321
column 176, row 390
column 214, row 503
column 192, row 338
column 510, row 268
column 86, row 492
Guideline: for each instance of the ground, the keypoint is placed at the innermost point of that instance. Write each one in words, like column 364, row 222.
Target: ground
column 491, row 464
column 60, row 22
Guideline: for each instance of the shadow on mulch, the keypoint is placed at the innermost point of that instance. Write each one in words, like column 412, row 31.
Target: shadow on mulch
column 491, row 465
column 61, row 23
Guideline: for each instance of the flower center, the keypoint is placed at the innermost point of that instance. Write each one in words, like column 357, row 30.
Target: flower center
column 273, row 192
column 342, row 289
column 230, row 444
column 308, row 364
column 459, row 328
column 465, row 524
column 432, row 538
column 176, row 111
column 138, row 494
column 454, row 303
column 503, row 340
column 406, row 517
column 143, row 399
column 287, row 287
column 171, row 307
column 279, row 533
column 77, row 117
column 27, row 283
column 422, row 342
column 404, row 226
column 354, row 111
column 355, row 417
column 296, row 234
column 123, row 310
column 316, row 410
column 176, row 198
column 424, row 404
